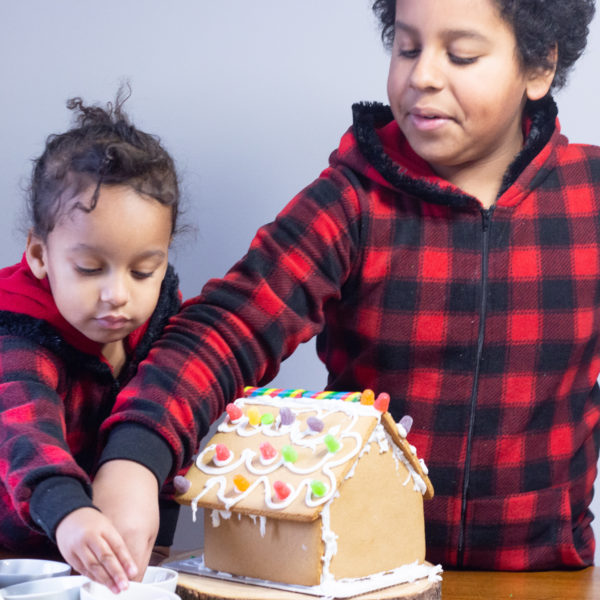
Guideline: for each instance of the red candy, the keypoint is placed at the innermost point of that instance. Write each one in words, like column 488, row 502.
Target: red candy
column 281, row 489
column 222, row 452
column 234, row 412
column 267, row 451
column 382, row 402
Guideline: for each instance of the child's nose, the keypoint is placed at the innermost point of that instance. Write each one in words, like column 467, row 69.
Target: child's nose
column 115, row 291
column 426, row 72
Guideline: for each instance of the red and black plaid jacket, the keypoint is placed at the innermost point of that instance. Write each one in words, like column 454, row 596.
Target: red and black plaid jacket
column 482, row 324
column 54, row 395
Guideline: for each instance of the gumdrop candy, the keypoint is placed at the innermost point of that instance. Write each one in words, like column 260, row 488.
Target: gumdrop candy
column 382, row 403
column 406, row 421
column 286, row 416
column 332, row 444
column 319, row 489
column 222, row 452
column 267, row 451
column 367, row 397
column 241, row 483
column 289, row 454
column 315, row 424
column 267, row 418
column 253, row 415
column 234, row 412
column 281, row 489
column 181, row 484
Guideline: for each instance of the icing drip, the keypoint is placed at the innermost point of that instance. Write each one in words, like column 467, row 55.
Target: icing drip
column 330, row 545
column 418, row 483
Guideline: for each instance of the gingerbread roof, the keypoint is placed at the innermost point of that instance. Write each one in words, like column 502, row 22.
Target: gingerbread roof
column 286, row 457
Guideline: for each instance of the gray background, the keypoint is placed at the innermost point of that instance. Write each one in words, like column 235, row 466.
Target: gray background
column 249, row 97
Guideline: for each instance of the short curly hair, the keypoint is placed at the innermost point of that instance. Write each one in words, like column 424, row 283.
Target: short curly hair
column 103, row 148
column 539, row 27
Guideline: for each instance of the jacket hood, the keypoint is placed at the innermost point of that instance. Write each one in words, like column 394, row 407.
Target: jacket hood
column 22, row 293
column 376, row 148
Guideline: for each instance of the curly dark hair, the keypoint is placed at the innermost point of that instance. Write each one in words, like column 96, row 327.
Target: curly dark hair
column 103, row 147
column 539, row 27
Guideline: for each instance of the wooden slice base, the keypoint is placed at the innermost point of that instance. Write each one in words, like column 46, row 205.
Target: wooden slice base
column 195, row 587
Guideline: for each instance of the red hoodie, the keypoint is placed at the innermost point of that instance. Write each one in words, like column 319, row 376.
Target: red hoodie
column 56, row 391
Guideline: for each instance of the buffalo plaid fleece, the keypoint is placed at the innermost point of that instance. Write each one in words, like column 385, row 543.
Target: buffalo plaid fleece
column 483, row 325
column 54, row 395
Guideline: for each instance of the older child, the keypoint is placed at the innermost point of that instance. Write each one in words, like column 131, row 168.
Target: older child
column 449, row 255
column 77, row 314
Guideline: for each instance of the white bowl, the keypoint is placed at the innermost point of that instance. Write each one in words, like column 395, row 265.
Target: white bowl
column 53, row 588
column 165, row 579
column 136, row 591
column 18, row 570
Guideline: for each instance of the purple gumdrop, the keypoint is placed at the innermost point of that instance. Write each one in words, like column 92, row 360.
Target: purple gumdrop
column 181, row 484
column 406, row 421
column 315, row 424
column 286, row 416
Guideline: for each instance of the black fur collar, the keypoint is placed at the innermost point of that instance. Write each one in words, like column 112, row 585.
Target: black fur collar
column 368, row 116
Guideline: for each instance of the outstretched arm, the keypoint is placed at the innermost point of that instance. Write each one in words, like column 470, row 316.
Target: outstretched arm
column 127, row 493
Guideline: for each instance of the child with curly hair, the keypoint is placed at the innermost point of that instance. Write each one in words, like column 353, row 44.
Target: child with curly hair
column 448, row 255
column 78, row 313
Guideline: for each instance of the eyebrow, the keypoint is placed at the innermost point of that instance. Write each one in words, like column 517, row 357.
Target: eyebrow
column 449, row 34
column 141, row 256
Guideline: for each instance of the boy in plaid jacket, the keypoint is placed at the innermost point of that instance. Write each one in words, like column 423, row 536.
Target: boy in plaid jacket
column 449, row 255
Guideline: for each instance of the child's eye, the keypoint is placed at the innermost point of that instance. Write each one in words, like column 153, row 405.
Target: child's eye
column 461, row 60
column 88, row 271
column 141, row 274
column 408, row 52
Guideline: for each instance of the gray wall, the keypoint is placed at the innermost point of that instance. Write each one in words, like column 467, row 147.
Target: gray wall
column 250, row 98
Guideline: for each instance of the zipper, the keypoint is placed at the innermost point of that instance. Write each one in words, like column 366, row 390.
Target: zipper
column 485, row 251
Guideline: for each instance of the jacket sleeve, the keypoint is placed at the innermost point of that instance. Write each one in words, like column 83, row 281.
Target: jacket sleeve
column 240, row 328
column 36, row 466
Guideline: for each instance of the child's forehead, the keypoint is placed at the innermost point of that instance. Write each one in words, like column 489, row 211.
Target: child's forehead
column 451, row 18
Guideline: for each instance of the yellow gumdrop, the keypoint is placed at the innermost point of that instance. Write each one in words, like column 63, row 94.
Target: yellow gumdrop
column 367, row 397
column 253, row 415
column 241, row 483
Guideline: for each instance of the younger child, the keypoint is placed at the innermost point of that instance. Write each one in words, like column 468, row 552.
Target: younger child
column 449, row 255
column 93, row 291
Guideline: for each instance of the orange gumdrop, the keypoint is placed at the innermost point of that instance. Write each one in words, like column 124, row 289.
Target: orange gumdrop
column 241, row 483
column 367, row 397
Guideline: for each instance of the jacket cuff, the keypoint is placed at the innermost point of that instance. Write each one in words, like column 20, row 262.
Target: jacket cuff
column 54, row 498
column 131, row 441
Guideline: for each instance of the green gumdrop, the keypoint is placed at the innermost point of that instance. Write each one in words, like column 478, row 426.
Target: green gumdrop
column 332, row 444
column 289, row 454
column 318, row 488
column 267, row 418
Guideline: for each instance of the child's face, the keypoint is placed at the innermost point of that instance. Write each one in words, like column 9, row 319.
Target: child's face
column 105, row 267
column 456, row 87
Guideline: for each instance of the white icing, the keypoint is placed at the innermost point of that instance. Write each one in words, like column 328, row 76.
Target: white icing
column 329, row 544
column 298, row 437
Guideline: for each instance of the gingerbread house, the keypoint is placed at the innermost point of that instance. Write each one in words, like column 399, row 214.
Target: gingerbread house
column 302, row 488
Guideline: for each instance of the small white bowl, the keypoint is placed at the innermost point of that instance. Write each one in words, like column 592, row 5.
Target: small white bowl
column 136, row 591
column 18, row 570
column 53, row 588
column 165, row 579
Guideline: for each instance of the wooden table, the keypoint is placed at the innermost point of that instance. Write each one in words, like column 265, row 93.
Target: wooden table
column 546, row 585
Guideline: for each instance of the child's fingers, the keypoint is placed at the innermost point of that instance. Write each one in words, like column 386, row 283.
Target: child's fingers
column 104, row 567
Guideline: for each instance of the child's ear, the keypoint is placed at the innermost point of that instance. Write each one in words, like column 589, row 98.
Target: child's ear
column 541, row 78
column 35, row 253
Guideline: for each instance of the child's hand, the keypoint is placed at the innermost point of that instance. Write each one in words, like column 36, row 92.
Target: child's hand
column 91, row 545
column 127, row 493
